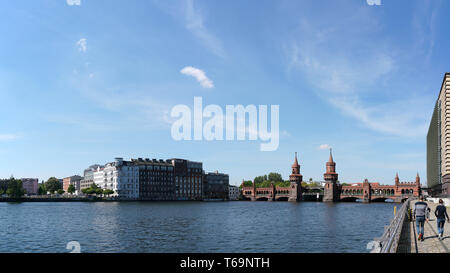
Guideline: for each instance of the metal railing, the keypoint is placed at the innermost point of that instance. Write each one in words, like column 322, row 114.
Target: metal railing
column 388, row 242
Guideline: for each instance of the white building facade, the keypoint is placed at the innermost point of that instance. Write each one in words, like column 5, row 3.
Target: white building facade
column 233, row 193
column 120, row 176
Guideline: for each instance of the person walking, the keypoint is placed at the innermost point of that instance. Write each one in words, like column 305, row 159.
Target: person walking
column 420, row 215
column 441, row 214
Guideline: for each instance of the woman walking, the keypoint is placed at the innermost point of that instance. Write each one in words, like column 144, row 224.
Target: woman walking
column 441, row 214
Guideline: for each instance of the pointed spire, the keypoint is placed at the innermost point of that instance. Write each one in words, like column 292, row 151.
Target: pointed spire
column 295, row 161
column 331, row 157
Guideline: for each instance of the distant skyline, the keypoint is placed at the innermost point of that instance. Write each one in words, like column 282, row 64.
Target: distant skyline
column 83, row 82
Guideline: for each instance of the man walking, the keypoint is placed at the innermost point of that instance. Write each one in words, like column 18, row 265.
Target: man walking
column 441, row 214
column 420, row 214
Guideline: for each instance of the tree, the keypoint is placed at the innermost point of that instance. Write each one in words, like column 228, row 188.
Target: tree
column 275, row 177
column 259, row 179
column 53, row 184
column 60, row 191
column 246, row 184
column 99, row 191
column 15, row 188
column 108, row 192
column 42, row 190
column 71, row 189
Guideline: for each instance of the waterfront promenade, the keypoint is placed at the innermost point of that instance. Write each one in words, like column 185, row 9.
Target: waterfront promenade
column 431, row 244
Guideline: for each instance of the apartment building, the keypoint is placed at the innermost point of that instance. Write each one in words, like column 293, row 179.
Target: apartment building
column 215, row 186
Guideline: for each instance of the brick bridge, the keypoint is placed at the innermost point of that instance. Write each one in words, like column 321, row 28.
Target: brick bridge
column 333, row 191
column 373, row 192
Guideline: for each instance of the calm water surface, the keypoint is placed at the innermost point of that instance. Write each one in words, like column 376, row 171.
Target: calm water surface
column 192, row 226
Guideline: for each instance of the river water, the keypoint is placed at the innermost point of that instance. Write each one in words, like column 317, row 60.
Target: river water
column 192, row 226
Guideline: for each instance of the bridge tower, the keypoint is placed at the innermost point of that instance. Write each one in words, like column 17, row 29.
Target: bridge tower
column 254, row 191
column 367, row 191
column 295, row 193
column 331, row 191
column 419, row 190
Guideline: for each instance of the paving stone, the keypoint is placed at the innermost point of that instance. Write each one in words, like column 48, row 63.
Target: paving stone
column 431, row 244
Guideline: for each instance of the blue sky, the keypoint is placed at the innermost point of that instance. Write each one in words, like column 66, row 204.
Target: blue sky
column 84, row 81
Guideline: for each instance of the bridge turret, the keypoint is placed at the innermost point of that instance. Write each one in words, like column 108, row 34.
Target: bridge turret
column 331, row 190
column 397, row 180
column 296, row 182
column 417, row 179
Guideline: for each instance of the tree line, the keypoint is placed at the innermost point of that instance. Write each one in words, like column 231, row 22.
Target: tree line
column 265, row 181
column 14, row 188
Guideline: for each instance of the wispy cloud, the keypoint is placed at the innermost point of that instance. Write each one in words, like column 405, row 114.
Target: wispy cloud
column 8, row 137
column 199, row 75
column 373, row 2
column 345, row 80
column 194, row 22
column 73, row 2
column 324, row 147
column 424, row 23
column 82, row 45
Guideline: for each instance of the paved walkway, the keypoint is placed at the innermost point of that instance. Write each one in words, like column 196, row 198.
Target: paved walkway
column 431, row 244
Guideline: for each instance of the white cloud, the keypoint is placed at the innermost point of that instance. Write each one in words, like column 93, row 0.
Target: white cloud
column 73, row 2
column 324, row 147
column 7, row 137
column 82, row 45
column 374, row 2
column 199, row 75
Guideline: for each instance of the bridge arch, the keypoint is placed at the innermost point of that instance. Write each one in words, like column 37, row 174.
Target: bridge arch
column 379, row 199
column 349, row 199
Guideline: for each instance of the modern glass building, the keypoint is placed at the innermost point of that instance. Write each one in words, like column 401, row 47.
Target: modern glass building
column 438, row 143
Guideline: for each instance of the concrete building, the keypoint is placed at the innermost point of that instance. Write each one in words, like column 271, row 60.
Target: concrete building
column 215, row 186
column 156, row 179
column 120, row 176
column 30, row 185
column 72, row 180
column 88, row 178
column 233, row 193
column 188, row 177
column 438, row 143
